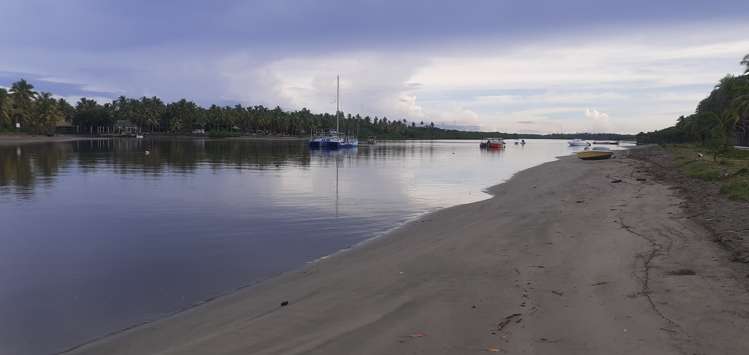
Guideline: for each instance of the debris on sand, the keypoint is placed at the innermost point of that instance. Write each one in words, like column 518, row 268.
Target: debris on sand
column 599, row 283
column 616, row 181
column 409, row 337
column 558, row 293
column 546, row 340
column 682, row 272
column 284, row 303
column 501, row 325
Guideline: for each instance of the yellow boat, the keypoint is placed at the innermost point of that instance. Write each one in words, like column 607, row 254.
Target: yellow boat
column 598, row 153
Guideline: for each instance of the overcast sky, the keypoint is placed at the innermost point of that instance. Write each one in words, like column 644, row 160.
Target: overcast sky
column 526, row 66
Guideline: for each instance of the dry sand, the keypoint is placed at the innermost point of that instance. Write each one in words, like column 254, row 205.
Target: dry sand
column 560, row 261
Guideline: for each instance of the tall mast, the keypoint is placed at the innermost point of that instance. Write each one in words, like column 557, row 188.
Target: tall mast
column 337, row 99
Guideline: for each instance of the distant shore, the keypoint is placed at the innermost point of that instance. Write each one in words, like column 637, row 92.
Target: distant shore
column 598, row 259
column 15, row 139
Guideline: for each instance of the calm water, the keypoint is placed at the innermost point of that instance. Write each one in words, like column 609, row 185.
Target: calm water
column 98, row 235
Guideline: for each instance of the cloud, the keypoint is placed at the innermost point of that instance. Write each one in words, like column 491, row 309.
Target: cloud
column 596, row 115
column 296, row 82
column 599, row 120
column 500, row 67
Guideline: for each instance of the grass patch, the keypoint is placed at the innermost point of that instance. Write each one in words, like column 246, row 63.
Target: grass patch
column 736, row 188
column 730, row 170
column 704, row 170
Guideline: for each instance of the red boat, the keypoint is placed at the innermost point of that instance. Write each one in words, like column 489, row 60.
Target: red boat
column 493, row 143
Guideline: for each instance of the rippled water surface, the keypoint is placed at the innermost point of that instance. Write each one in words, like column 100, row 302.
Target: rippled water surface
column 100, row 235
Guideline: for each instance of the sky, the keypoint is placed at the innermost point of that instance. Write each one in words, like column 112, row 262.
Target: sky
column 515, row 66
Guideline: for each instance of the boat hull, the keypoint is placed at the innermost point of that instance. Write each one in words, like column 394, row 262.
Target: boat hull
column 594, row 155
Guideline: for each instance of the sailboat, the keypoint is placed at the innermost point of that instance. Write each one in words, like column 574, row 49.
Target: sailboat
column 333, row 140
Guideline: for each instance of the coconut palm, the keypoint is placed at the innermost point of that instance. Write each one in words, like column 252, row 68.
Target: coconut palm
column 46, row 115
column 5, row 109
column 739, row 110
column 23, row 95
column 746, row 63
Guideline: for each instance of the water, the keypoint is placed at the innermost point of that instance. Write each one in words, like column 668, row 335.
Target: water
column 98, row 235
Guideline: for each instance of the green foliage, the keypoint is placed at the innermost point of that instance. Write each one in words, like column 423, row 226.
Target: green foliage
column 720, row 121
column 736, row 189
column 702, row 169
column 6, row 110
column 46, row 115
column 22, row 95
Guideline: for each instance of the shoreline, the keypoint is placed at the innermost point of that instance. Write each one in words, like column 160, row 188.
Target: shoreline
column 16, row 139
column 451, row 274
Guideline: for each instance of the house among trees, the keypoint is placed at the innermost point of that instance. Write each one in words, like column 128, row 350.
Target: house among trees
column 125, row 127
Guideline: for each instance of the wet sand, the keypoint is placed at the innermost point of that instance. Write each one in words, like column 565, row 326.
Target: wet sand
column 562, row 260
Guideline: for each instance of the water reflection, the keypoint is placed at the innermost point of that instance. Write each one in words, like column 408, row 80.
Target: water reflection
column 26, row 166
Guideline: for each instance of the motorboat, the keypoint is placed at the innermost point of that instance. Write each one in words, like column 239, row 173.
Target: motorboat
column 597, row 153
column 492, row 143
column 578, row 143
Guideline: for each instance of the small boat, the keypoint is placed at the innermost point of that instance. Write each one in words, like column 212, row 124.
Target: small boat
column 492, row 143
column 606, row 142
column 578, row 143
column 372, row 140
column 139, row 136
column 597, row 153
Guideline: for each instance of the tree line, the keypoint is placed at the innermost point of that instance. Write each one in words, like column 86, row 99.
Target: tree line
column 34, row 112
column 40, row 113
column 720, row 121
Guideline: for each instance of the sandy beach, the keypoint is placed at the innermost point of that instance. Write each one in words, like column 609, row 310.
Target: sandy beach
column 569, row 257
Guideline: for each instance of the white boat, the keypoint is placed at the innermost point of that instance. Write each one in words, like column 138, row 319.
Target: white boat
column 578, row 143
column 139, row 136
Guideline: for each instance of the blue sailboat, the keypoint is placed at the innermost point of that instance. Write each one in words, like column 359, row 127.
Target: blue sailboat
column 333, row 140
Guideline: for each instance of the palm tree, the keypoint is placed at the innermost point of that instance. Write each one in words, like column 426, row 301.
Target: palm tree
column 746, row 62
column 23, row 96
column 739, row 110
column 47, row 114
column 5, row 109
